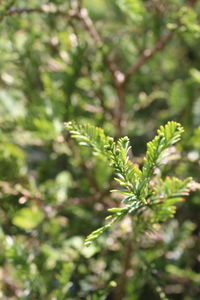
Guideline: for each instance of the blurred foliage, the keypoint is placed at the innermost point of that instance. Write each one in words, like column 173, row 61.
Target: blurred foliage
column 67, row 60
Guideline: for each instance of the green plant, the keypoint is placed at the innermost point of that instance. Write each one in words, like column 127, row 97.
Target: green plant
column 147, row 195
column 116, row 64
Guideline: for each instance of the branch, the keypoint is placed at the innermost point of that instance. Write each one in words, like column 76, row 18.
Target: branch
column 149, row 53
column 11, row 286
column 120, row 290
column 91, row 29
column 46, row 9
column 82, row 14
column 89, row 26
column 25, row 195
column 16, row 10
column 117, row 76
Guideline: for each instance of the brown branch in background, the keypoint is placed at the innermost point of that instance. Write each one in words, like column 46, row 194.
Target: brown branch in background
column 99, row 94
column 120, row 290
column 43, row 9
column 48, row 8
column 120, row 79
column 117, row 76
column 15, row 10
column 83, row 15
column 25, row 195
column 148, row 53
column 10, row 285
column 102, row 198
column 120, row 108
column 79, row 4
column 191, row 3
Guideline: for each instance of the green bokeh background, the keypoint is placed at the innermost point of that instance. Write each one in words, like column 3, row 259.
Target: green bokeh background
column 54, row 193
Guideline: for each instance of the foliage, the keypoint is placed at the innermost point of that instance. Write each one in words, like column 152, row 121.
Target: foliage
column 141, row 193
column 125, row 67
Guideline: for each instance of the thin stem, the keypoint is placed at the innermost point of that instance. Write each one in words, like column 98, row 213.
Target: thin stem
column 117, row 76
column 120, row 290
column 119, row 113
column 147, row 54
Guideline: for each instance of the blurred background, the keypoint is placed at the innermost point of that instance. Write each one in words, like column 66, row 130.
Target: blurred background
column 127, row 66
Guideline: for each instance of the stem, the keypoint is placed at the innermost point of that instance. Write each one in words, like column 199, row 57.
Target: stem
column 120, row 290
column 119, row 113
column 148, row 53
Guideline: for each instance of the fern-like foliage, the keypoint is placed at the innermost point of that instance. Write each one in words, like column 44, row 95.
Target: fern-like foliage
column 157, row 150
column 88, row 135
column 140, row 194
column 127, row 173
column 167, row 193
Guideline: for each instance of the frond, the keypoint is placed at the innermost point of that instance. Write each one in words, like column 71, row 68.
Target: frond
column 166, row 136
column 141, row 196
column 89, row 135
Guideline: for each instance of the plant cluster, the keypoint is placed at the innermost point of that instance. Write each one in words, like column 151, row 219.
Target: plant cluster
column 144, row 189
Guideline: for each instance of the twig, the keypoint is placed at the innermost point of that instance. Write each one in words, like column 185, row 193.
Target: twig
column 9, row 285
column 43, row 9
column 148, row 53
column 120, row 108
column 83, row 15
column 120, row 290
column 25, row 195
column 117, row 76
column 100, row 197
column 16, row 10
column 80, row 4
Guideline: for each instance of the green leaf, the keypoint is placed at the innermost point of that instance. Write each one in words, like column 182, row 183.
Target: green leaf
column 166, row 136
column 89, row 135
column 28, row 218
column 173, row 187
column 178, row 96
column 117, row 210
column 133, row 8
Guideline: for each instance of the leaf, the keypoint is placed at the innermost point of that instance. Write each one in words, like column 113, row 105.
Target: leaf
column 117, row 210
column 133, row 8
column 178, row 96
column 28, row 218
column 89, row 135
column 173, row 187
column 166, row 136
